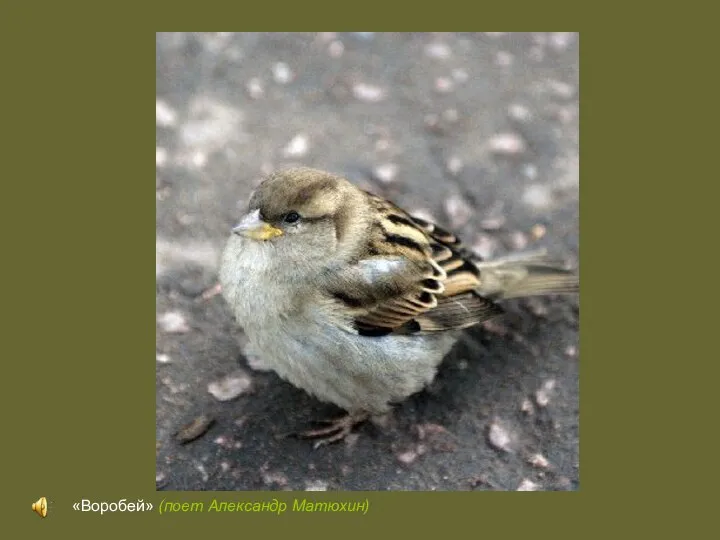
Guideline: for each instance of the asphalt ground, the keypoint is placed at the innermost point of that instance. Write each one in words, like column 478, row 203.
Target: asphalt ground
column 477, row 131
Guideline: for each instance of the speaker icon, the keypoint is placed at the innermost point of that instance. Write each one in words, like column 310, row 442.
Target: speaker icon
column 40, row 507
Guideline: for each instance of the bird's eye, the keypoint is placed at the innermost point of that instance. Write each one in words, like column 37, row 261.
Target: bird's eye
column 291, row 217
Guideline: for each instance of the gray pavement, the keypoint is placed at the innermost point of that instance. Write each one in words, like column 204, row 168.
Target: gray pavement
column 479, row 132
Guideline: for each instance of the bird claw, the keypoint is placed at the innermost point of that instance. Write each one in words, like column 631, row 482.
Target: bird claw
column 336, row 429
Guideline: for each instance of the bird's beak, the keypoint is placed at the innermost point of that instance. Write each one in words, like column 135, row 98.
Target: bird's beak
column 251, row 226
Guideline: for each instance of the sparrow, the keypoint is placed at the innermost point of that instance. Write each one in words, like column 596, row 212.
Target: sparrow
column 347, row 296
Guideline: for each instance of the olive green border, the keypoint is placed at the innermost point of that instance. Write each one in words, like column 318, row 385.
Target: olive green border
column 78, row 217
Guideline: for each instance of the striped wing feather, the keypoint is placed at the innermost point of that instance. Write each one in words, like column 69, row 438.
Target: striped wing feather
column 444, row 294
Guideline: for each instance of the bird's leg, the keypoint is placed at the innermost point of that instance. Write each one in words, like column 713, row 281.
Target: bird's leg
column 336, row 430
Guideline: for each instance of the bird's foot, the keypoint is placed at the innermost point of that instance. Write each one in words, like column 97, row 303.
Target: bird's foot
column 336, row 429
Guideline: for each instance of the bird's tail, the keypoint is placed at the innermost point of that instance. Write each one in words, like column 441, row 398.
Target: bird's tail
column 525, row 274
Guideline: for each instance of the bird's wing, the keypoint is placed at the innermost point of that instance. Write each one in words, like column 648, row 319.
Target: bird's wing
column 414, row 277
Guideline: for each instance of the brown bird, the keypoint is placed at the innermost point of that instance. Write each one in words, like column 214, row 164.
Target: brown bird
column 349, row 297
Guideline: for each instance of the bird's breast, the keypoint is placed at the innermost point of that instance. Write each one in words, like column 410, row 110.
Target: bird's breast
column 296, row 335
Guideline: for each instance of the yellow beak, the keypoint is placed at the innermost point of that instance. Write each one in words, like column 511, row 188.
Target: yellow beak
column 251, row 226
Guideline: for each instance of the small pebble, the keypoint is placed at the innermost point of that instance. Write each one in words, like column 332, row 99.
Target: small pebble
column 210, row 125
column 282, row 74
column 519, row 112
column 163, row 358
column 162, row 192
column 542, row 396
column 485, row 246
column 480, row 480
column 316, row 485
column 235, row 54
column 451, row 115
column 438, row 50
column 537, row 196
column 507, row 144
column 297, row 147
column 215, row 42
column 326, row 36
column 530, row 171
column 160, row 157
column 458, row 210
column 194, row 430
column 561, row 89
column 203, row 472
column 173, row 322
column 165, row 115
column 407, row 457
column 504, row 58
column 198, row 159
column 381, row 145
column 518, row 240
column 540, row 38
column 431, row 120
column 495, row 327
column 538, row 231
column 527, row 407
column 231, row 386
column 499, row 437
column 537, row 306
column 527, row 485
column 539, row 461
column 460, row 75
column 336, row 49
column 493, row 223
column 386, row 173
column 255, row 88
column 454, row 165
column 174, row 388
column 536, row 53
column 368, row 93
column 564, row 482
column 270, row 478
column 571, row 351
column 561, row 40
column 566, row 115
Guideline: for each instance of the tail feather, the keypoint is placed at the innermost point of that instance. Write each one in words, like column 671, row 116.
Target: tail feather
column 526, row 274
